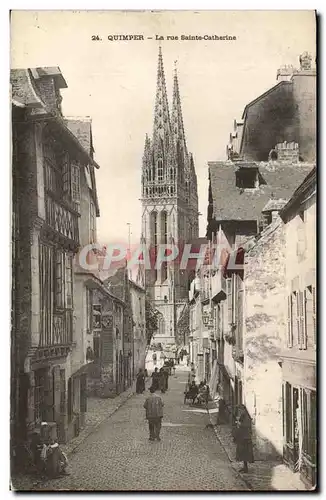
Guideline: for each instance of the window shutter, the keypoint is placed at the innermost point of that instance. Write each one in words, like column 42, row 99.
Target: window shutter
column 304, row 319
column 68, row 287
column 314, row 313
column 59, row 279
column 66, row 176
column 289, row 321
column 75, row 183
column 298, row 318
column 235, row 298
column 301, row 298
column 229, row 299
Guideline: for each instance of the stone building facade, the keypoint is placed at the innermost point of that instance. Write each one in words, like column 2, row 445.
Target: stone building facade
column 169, row 206
column 247, row 287
column 298, row 357
column 265, row 324
column 48, row 164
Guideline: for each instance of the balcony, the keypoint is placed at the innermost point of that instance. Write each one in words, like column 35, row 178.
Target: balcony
column 218, row 283
column 62, row 220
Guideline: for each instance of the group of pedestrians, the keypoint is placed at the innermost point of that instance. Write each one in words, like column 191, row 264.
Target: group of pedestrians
column 160, row 379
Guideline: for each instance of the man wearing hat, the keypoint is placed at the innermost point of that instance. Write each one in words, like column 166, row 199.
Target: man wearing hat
column 154, row 414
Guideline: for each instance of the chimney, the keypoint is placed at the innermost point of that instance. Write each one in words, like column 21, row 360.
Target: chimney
column 287, row 151
column 305, row 61
column 284, row 73
column 49, row 81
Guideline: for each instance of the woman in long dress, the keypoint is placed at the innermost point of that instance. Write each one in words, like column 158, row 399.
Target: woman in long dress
column 155, row 379
column 243, row 439
column 140, row 382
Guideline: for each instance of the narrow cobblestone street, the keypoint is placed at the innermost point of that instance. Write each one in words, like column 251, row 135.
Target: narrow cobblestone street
column 118, row 455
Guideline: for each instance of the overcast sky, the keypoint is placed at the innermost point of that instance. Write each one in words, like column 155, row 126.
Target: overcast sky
column 114, row 82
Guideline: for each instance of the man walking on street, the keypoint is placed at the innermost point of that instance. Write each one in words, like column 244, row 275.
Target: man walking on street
column 154, row 414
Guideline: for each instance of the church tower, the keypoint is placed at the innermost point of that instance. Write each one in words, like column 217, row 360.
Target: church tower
column 169, row 204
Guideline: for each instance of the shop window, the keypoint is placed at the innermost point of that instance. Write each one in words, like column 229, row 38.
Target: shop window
column 70, row 399
column 304, row 417
column 96, row 347
column 39, row 395
column 288, row 413
column 313, row 434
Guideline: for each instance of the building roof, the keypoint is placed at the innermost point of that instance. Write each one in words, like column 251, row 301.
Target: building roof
column 25, row 94
column 309, row 181
column 53, row 71
column 233, row 203
column 82, row 129
column 22, row 90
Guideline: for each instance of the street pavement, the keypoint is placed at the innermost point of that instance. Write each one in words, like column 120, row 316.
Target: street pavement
column 118, row 456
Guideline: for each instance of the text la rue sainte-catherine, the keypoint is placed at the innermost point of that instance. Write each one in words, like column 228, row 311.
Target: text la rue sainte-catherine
column 168, row 37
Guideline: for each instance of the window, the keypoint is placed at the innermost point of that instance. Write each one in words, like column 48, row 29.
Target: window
column 89, row 308
column 75, row 183
column 97, row 317
column 301, row 320
column 310, row 314
column 290, row 321
column 313, row 293
column 59, row 277
column 63, row 280
column 66, row 179
column 229, row 300
column 88, row 177
column 247, row 178
column 68, row 283
column 160, row 170
column 92, row 223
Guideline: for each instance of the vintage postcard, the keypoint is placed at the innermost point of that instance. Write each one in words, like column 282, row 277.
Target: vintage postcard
column 163, row 251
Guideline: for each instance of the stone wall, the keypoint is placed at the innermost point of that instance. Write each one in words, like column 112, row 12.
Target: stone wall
column 265, row 329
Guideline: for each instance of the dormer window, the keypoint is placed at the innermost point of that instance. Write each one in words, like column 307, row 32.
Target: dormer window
column 247, row 178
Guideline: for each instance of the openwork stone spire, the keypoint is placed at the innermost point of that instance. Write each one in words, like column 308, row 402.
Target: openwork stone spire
column 177, row 120
column 162, row 125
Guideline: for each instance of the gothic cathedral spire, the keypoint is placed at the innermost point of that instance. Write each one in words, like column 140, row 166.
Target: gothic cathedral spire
column 169, row 203
column 162, row 125
column 177, row 120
